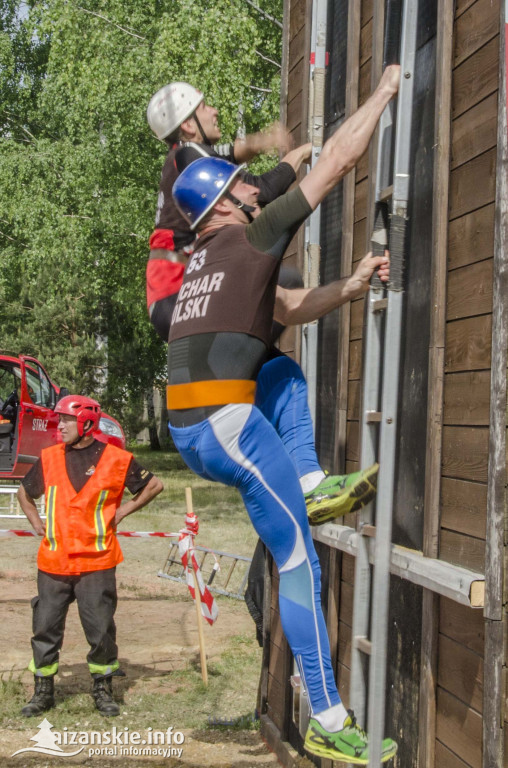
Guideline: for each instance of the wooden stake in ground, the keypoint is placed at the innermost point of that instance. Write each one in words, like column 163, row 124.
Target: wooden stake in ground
column 197, row 601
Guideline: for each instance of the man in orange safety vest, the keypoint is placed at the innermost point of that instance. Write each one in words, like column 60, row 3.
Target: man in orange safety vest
column 83, row 480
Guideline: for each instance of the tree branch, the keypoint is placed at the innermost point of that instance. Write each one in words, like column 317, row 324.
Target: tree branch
column 265, row 58
column 264, row 13
column 22, row 127
column 100, row 16
column 14, row 240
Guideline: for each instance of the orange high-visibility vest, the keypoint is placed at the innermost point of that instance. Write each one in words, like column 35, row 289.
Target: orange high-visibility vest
column 80, row 535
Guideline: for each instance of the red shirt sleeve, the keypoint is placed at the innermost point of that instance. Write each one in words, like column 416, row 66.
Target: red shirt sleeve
column 163, row 278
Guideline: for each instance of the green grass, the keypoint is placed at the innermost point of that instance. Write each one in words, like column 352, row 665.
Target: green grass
column 180, row 699
column 12, row 697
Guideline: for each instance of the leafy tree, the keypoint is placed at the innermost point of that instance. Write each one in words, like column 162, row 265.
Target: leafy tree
column 79, row 168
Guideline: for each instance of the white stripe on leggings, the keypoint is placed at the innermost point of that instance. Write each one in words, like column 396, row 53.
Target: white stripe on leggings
column 227, row 425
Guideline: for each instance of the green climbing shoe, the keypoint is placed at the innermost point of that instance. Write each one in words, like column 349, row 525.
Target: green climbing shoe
column 350, row 745
column 337, row 495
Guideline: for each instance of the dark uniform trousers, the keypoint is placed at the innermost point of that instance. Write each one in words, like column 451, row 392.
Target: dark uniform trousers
column 95, row 594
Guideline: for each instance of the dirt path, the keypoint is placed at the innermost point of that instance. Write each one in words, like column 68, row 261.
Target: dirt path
column 157, row 634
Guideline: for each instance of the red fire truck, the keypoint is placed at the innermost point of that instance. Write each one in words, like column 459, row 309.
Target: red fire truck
column 28, row 422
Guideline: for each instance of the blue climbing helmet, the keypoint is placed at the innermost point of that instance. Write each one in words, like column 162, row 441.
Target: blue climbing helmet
column 202, row 184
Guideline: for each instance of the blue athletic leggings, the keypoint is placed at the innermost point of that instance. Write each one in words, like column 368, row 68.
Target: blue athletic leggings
column 281, row 396
column 238, row 446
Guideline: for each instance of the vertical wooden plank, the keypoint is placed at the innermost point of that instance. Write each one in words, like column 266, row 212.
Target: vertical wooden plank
column 353, row 74
column 295, row 57
column 430, row 604
column 428, row 679
column 378, row 23
column 493, row 695
column 293, row 39
column 375, row 74
column 332, row 615
column 438, row 277
column 265, row 661
column 365, row 197
column 497, row 437
column 284, row 72
column 332, row 618
column 306, row 79
column 493, row 722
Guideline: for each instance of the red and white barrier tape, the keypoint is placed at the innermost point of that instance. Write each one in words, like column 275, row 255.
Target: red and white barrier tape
column 186, row 549
column 4, row 534
column 209, row 609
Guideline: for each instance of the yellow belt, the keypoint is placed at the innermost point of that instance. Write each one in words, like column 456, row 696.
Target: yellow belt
column 200, row 394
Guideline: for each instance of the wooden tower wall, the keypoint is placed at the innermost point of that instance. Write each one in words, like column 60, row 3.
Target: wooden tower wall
column 460, row 717
column 467, row 372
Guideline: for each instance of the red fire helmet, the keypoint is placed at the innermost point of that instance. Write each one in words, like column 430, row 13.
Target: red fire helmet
column 84, row 408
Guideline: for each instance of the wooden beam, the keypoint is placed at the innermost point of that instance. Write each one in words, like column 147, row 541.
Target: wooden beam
column 376, row 71
column 457, row 583
column 495, row 553
column 496, row 498
column 285, row 753
column 334, row 559
column 285, row 62
column 348, row 219
column 267, row 631
column 428, row 679
column 333, row 602
column 493, row 694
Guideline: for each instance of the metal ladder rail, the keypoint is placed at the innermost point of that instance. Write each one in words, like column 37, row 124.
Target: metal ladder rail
column 376, row 648
column 376, row 303
column 362, row 584
column 390, row 397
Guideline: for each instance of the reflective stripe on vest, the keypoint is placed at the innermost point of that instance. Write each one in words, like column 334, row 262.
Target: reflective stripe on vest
column 50, row 518
column 100, row 525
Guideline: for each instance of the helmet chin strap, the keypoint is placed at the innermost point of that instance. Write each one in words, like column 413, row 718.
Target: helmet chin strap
column 79, row 438
column 205, row 138
column 248, row 210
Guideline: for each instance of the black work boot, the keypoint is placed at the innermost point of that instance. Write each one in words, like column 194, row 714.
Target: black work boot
column 43, row 698
column 102, row 693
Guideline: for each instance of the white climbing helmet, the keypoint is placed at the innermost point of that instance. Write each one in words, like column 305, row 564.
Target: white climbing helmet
column 170, row 106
